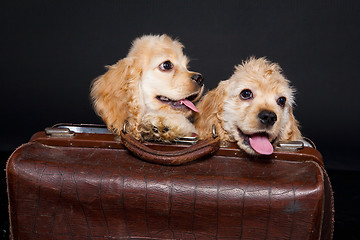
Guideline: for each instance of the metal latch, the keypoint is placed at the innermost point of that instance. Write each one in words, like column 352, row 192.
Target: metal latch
column 289, row 145
column 59, row 132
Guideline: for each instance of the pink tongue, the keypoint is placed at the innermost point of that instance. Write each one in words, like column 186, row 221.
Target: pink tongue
column 189, row 104
column 261, row 144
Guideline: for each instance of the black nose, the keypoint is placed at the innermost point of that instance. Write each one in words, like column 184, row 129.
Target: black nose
column 267, row 118
column 198, row 78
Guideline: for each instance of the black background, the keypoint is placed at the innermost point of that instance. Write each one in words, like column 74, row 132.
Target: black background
column 50, row 51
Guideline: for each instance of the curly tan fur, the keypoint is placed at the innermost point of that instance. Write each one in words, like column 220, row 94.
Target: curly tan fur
column 210, row 113
column 129, row 90
column 224, row 108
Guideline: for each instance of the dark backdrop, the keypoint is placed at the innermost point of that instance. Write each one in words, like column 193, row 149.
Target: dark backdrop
column 50, row 51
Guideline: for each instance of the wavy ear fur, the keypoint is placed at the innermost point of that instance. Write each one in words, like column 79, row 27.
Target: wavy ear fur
column 291, row 130
column 112, row 95
column 210, row 109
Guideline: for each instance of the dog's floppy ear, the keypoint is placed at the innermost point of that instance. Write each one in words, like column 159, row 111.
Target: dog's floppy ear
column 291, row 130
column 210, row 108
column 112, row 94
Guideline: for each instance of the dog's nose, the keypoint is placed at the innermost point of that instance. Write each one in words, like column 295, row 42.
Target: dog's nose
column 198, row 78
column 267, row 118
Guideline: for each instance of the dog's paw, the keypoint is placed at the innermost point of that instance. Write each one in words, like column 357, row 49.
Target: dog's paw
column 162, row 130
column 166, row 128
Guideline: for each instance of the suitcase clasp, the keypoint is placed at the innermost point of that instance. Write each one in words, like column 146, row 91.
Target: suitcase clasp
column 292, row 146
column 59, row 132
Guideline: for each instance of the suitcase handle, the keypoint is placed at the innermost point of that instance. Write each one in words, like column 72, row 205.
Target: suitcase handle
column 200, row 149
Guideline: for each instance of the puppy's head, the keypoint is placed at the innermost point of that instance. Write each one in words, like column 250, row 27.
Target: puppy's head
column 257, row 109
column 166, row 83
column 153, row 77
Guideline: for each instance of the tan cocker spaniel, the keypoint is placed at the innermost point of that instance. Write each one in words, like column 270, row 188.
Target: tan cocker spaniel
column 152, row 89
column 254, row 108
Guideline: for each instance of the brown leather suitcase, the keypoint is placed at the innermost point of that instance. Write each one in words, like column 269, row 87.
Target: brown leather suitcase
column 80, row 182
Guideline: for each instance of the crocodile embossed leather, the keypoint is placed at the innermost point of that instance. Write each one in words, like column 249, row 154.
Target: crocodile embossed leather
column 89, row 186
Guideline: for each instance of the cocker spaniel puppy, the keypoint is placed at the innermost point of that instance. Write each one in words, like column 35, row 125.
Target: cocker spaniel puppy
column 253, row 108
column 152, row 89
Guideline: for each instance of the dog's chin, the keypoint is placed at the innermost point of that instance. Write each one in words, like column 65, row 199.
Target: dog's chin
column 256, row 143
column 246, row 148
column 185, row 104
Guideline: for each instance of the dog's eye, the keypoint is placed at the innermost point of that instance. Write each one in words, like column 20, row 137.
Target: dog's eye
column 166, row 66
column 281, row 101
column 246, row 94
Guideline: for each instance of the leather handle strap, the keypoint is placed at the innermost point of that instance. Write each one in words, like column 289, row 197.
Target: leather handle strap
column 177, row 157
